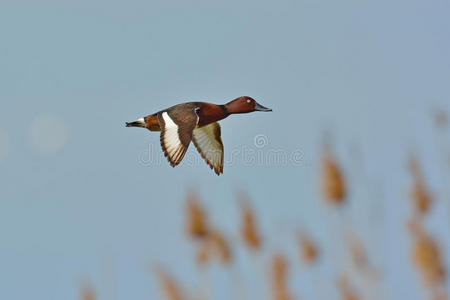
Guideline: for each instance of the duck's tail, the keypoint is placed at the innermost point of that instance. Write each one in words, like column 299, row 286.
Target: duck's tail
column 138, row 123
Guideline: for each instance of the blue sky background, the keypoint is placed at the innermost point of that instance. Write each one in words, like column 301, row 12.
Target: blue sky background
column 78, row 203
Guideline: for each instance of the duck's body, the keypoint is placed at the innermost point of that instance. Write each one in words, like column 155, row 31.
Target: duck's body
column 196, row 121
column 207, row 113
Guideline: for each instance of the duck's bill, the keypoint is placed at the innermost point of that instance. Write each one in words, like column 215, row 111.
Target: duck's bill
column 259, row 107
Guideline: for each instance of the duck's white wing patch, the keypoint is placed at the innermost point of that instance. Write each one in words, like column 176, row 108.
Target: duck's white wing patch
column 208, row 142
column 171, row 141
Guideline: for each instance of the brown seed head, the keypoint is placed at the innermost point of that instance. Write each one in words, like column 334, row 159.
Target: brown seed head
column 347, row 291
column 420, row 197
column 170, row 288
column 213, row 245
column 204, row 252
column 427, row 258
column 221, row 247
column 279, row 278
column 333, row 185
column 358, row 253
column 440, row 295
column 87, row 293
column 414, row 226
column 440, row 119
column 196, row 225
column 308, row 249
column 249, row 233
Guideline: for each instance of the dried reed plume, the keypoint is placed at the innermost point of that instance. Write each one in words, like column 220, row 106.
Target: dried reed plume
column 249, row 232
column 279, row 278
column 214, row 245
column 222, row 249
column 204, row 252
column 441, row 295
column 440, row 119
column 332, row 180
column 426, row 256
column 421, row 198
column 170, row 288
column 87, row 293
column 308, row 249
column 358, row 254
column 347, row 291
column 196, row 224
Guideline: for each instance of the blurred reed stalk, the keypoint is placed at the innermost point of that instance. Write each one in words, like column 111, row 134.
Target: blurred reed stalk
column 425, row 252
column 196, row 220
column 359, row 257
column 421, row 198
column 219, row 247
column 347, row 291
column 361, row 264
column 211, row 244
column 364, row 273
column 334, row 191
column 332, row 180
column 197, row 228
column 309, row 255
column 169, row 286
column 426, row 256
column 250, row 236
column 87, row 293
column 278, row 278
column 216, row 247
column 441, row 122
column 440, row 295
column 309, row 252
column 248, row 229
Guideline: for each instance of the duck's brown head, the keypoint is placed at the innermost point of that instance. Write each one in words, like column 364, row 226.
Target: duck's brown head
column 244, row 104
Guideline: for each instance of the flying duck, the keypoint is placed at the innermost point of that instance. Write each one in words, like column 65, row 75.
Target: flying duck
column 196, row 121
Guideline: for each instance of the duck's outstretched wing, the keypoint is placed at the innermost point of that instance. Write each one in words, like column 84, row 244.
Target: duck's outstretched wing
column 208, row 142
column 176, row 133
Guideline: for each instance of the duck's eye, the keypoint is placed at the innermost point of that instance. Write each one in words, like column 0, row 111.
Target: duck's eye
column 248, row 100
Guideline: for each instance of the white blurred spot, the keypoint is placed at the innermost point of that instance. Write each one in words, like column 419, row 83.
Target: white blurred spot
column 5, row 144
column 48, row 133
